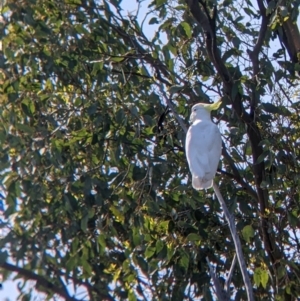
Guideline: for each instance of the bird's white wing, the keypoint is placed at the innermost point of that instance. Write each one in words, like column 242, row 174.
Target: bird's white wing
column 203, row 151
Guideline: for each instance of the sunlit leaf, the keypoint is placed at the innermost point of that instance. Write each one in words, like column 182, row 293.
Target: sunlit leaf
column 248, row 233
column 186, row 28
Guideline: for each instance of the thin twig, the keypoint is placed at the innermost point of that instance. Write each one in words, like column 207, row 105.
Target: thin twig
column 171, row 106
column 229, row 277
column 237, row 243
column 236, row 173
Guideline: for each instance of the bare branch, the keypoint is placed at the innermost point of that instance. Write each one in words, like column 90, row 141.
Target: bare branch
column 229, row 277
column 237, row 243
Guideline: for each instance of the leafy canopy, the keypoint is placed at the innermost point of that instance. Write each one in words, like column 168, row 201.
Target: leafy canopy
column 97, row 189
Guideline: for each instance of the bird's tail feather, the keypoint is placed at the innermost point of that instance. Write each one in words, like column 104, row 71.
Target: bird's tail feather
column 199, row 184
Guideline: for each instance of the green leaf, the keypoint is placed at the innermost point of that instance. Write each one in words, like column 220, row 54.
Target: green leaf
column 97, row 67
column 264, row 277
column 150, row 251
column 270, row 108
column 131, row 296
column 249, row 12
column 184, row 260
column 25, row 128
column 257, row 276
column 134, row 111
column 3, row 256
column 84, row 222
column 87, row 269
column 193, row 237
column 281, row 271
column 14, row 189
column 175, row 89
column 236, row 42
column 261, row 276
column 138, row 173
column 136, row 237
column 229, row 53
column 117, row 59
column 271, row 7
column 72, row 263
column 101, row 241
column 170, row 140
column 159, row 245
column 153, row 21
column 163, row 227
column 297, row 67
column 187, row 29
column 160, row 2
column 248, row 233
column 28, row 107
column 262, row 157
column 119, row 216
column 293, row 218
column 92, row 109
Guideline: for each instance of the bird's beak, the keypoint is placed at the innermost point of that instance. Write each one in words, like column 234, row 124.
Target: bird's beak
column 191, row 120
column 214, row 106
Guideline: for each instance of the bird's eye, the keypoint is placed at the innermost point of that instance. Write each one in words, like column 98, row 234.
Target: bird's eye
column 195, row 110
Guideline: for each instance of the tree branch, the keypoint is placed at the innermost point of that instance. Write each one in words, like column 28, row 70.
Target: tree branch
column 171, row 106
column 254, row 54
column 229, row 277
column 91, row 289
column 263, row 29
column 141, row 52
column 237, row 243
column 40, row 280
column 236, row 174
column 218, row 289
column 291, row 35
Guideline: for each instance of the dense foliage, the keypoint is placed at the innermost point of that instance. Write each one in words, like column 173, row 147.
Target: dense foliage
column 93, row 170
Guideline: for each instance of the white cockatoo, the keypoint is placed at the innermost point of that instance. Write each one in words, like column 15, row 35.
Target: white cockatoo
column 203, row 145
